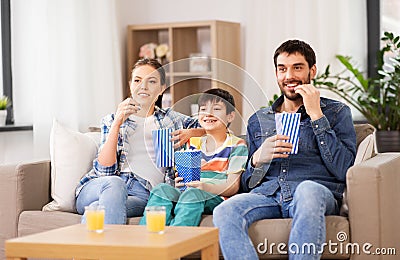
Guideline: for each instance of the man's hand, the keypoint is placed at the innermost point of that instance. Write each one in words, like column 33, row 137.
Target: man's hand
column 273, row 147
column 181, row 136
column 311, row 100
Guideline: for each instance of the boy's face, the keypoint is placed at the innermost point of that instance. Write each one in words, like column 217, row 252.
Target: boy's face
column 212, row 116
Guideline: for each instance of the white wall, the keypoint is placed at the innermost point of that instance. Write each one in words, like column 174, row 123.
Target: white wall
column 330, row 26
column 16, row 147
column 158, row 11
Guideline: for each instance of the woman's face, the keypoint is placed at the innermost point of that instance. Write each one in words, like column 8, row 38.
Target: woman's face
column 146, row 85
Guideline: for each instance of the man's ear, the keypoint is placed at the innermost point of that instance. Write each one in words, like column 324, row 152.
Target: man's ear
column 313, row 71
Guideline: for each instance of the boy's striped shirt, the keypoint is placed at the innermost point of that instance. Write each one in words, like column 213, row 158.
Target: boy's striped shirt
column 230, row 158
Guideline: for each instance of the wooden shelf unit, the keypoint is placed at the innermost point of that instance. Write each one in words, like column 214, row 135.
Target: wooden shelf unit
column 218, row 40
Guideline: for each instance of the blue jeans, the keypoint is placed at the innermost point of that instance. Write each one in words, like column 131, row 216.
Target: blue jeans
column 311, row 202
column 182, row 208
column 119, row 201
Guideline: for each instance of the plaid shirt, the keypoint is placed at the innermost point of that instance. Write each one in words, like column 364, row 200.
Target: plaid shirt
column 165, row 118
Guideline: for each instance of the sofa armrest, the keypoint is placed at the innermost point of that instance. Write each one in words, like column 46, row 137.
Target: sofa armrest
column 373, row 188
column 22, row 187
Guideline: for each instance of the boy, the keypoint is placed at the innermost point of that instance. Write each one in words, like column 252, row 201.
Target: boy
column 223, row 160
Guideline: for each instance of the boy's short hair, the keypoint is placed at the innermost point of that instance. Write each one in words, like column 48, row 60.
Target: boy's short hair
column 216, row 95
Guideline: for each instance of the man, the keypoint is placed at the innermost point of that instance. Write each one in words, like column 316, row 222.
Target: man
column 305, row 186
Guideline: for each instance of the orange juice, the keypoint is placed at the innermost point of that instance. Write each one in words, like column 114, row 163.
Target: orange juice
column 155, row 220
column 95, row 219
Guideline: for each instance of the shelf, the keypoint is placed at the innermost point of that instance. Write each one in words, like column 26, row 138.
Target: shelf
column 187, row 42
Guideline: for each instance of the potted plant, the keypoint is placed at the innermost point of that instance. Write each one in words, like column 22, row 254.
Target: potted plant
column 4, row 102
column 378, row 98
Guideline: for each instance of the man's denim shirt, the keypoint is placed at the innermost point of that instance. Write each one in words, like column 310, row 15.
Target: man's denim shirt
column 327, row 148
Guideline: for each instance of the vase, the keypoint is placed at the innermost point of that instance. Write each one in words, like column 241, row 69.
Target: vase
column 3, row 117
column 388, row 141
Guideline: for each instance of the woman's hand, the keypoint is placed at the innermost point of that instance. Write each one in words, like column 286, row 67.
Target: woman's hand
column 181, row 136
column 125, row 109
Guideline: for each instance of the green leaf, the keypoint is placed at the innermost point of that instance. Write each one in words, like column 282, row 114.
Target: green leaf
column 359, row 76
column 378, row 98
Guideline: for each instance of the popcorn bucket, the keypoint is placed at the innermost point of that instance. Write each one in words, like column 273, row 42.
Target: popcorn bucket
column 163, row 147
column 188, row 165
column 289, row 124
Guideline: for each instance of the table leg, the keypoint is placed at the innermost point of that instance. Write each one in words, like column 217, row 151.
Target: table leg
column 211, row 252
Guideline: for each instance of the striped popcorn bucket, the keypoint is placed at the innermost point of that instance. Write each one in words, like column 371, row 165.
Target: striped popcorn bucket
column 289, row 124
column 188, row 165
column 163, row 147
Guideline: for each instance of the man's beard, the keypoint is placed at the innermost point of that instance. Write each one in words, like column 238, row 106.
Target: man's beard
column 296, row 96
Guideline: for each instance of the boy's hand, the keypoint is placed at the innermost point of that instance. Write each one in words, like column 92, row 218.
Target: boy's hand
column 196, row 184
column 178, row 181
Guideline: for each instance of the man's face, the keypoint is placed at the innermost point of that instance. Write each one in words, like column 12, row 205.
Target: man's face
column 292, row 70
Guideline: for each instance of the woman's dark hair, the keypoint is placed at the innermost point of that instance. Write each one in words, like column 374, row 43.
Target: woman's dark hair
column 217, row 95
column 296, row 46
column 157, row 66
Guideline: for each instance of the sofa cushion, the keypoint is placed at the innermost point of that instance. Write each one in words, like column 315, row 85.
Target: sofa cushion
column 47, row 220
column 71, row 156
column 362, row 131
column 365, row 134
column 31, row 222
column 277, row 231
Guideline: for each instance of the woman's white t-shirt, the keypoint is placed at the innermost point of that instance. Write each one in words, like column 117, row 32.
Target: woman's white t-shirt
column 141, row 156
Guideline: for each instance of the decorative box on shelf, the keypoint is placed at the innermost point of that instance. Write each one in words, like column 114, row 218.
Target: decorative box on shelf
column 199, row 62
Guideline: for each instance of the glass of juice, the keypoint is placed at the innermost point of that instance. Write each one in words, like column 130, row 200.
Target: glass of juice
column 95, row 218
column 155, row 219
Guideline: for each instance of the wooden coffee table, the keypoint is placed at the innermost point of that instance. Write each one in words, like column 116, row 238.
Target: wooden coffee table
column 116, row 242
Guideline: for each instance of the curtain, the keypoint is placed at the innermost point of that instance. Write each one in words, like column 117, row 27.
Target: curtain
column 66, row 64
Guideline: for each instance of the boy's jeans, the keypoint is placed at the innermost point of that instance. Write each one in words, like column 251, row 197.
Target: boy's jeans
column 111, row 191
column 310, row 204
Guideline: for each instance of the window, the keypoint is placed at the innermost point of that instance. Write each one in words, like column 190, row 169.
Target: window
column 382, row 15
column 6, row 56
column 390, row 16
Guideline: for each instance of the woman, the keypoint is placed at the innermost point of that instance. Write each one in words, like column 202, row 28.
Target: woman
column 124, row 171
